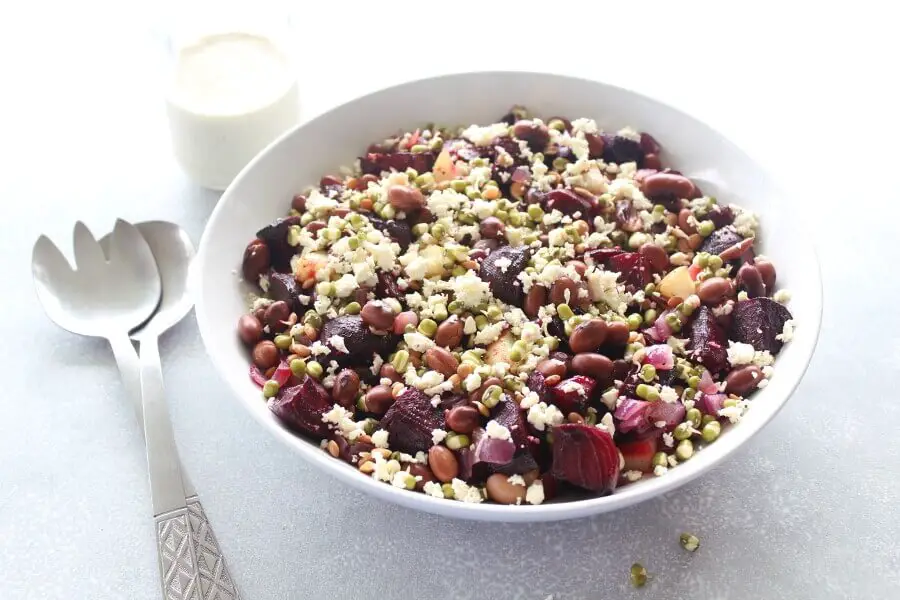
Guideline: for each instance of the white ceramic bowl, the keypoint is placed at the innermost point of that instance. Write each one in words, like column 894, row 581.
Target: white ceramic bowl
column 263, row 191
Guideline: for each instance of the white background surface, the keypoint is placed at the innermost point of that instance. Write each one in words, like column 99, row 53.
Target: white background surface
column 806, row 510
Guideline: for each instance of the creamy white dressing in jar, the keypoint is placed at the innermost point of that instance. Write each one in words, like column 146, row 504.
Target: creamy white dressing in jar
column 230, row 95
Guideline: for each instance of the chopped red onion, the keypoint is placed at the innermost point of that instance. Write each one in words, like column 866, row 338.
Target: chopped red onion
column 660, row 356
column 282, row 373
column 521, row 174
column 632, row 415
column 671, row 413
column 707, row 385
column 710, row 404
column 494, row 451
column 660, row 330
column 257, row 376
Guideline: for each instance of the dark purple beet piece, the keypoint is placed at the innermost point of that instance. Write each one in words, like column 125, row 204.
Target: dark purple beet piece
column 505, row 284
column 301, row 407
column 620, row 149
column 757, row 322
column 634, row 269
column 567, row 202
column 522, row 462
column 721, row 216
column 387, row 287
column 508, row 414
column 601, row 256
column 573, row 394
column 360, row 341
column 708, row 342
column 375, row 162
column 275, row 236
column 721, row 240
column 283, row 286
column 410, row 421
column 537, row 384
column 399, row 231
column 449, row 402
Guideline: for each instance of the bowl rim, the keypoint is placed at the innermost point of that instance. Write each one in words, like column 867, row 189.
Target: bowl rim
column 552, row 511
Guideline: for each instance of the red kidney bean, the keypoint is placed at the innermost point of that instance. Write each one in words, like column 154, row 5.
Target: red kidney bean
column 449, row 334
column 664, row 184
column 559, row 288
column 256, row 261
column 346, row 387
column 276, row 315
column 621, row 368
column 362, row 183
column 388, row 370
column 649, row 144
column 492, row 228
column 578, row 265
column 249, row 329
column 298, row 203
column 378, row 400
column 403, row 319
column 749, row 279
column 265, row 355
column 767, row 272
column 537, row 136
column 463, row 419
column 314, row 226
column 684, row 221
column 713, row 290
column 534, row 300
column 443, row 463
column 552, row 366
column 405, row 198
column 656, row 256
column 617, row 333
column 588, row 336
column 441, row 360
column 419, row 470
column 378, row 315
column 500, row 490
column 743, row 380
column 592, row 365
column 651, row 161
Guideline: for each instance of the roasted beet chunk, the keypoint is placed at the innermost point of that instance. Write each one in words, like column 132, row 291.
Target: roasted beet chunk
column 708, row 342
column 634, row 268
column 585, row 456
column 573, row 394
column 399, row 231
column 537, row 384
column 504, row 278
column 360, row 342
column 301, row 407
column 566, row 202
column 283, row 286
column 721, row 240
column 410, row 421
column 508, row 414
column 757, row 322
column 275, row 236
column 387, row 287
column 376, row 162
column 619, row 149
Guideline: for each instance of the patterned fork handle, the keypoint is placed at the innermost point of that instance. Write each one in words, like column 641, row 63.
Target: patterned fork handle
column 190, row 563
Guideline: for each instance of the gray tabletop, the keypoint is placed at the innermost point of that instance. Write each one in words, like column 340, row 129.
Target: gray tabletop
column 806, row 510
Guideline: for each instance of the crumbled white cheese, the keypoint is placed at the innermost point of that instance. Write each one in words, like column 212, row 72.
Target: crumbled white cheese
column 442, row 203
column 384, row 469
column 732, row 413
column 787, row 332
column 610, row 398
column 377, row 362
column 541, row 415
column 530, row 332
column 466, row 493
column 668, row 440
column 417, row 341
column 337, row 414
column 503, row 264
column 529, row 400
column 401, row 478
column 469, row 326
column 535, row 493
column 740, row 353
column 606, row 423
column 337, row 342
column 489, row 334
column 483, row 136
column 782, row 296
column 602, row 287
column 434, row 489
column 763, row 358
column 746, row 224
column 660, row 470
column 584, row 126
column 497, row 431
column 470, row 290
column 437, row 436
column 380, row 438
column 472, row 382
column 633, row 475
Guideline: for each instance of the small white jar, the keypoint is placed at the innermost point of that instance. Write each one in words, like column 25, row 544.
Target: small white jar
column 232, row 90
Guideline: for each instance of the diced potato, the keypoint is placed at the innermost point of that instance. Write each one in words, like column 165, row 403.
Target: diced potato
column 677, row 283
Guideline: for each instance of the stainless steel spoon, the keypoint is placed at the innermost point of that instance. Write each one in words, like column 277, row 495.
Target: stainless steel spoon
column 174, row 253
